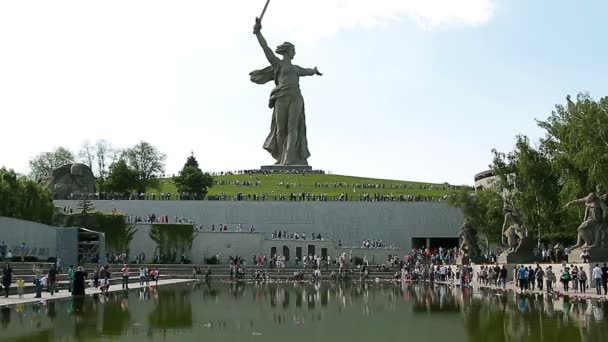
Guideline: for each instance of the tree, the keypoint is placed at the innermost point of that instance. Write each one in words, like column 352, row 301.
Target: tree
column 576, row 141
column 104, row 155
column 569, row 161
column 121, row 179
column 191, row 182
column 483, row 209
column 528, row 176
column 147, row 161
column 86, row 154
column 43, row 164
column 191, row 161
column 85, row 206
column 172, row 239
column 24, row 198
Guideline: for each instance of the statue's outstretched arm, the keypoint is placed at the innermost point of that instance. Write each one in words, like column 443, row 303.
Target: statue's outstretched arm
column 581, row 201
column 257, row 30
column 308, row 72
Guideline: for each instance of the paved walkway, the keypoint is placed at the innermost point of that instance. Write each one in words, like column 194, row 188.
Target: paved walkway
column 29, row 297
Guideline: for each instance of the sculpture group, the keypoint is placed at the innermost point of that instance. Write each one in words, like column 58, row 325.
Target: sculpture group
column 591, row 232
column 70, row 181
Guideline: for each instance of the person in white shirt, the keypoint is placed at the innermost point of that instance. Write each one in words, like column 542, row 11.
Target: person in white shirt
column 597, row 277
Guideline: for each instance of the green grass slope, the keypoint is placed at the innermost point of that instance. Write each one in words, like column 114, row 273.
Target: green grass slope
column 318, row 184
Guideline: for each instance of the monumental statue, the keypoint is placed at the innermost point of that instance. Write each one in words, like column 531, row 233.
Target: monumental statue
column 468, row 244
column 591, row 232
column 515, row 238
column 514, row 232
column 70, row 181
column 287, row 139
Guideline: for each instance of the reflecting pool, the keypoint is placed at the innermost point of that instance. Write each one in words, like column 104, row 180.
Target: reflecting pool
column 306, row 312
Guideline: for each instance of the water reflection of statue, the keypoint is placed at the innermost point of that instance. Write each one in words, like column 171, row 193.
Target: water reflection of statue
column 70, row 180
column 468, row 244
column 513, row 229
column 590, row 232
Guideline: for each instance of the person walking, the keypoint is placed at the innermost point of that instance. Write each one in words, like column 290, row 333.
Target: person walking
column 125, row 277
column 597, row 278
column 582, row 280
column 37, row 277
column 7, row 278
column 71, row 278
column 522, row 276
column 540, row 274
column 565, row 278
column 20, row 287
column 503, row 276
column 52, row 279
column 550, row 279
column 22, row 249
column 80, row 277
column 574, row 275
column 605, row 278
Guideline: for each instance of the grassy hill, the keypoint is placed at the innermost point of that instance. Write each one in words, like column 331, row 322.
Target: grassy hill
column 331, row 185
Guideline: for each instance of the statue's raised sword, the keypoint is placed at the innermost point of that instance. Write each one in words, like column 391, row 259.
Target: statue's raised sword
column 263, row 12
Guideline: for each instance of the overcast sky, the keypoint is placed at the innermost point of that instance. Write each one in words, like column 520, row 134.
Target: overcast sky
column 413, row 89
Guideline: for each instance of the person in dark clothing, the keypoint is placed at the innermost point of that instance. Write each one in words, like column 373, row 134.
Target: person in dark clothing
column 605, row 278
column 79, row 282
column 52, row 279
column 7, row 278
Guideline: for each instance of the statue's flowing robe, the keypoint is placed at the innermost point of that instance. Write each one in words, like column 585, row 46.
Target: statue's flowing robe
column 298, row 152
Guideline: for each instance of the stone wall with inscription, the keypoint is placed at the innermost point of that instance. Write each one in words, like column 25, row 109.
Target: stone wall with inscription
column 350, row 222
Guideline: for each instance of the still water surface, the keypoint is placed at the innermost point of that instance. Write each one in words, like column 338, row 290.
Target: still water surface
column 306, row 312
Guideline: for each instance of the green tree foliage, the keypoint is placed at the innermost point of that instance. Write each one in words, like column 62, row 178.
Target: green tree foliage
column 528, row 176
column 147, row 161
column 43, row 164
column 567, row 163
column 85, row 206
column 24, row 199
column 191, row 182
column 121, row 179
column 483, row 209
column 172, row 239
column 576, row 140
column 173, row 310
column 118, row 233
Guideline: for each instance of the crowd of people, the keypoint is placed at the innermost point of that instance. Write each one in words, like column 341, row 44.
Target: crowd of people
column 284, row 235
column 265, row 196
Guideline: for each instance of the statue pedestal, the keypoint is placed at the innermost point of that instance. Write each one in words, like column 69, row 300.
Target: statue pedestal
column 519, row 257
column 466, row 260
column 596, row 255
column 286, row 168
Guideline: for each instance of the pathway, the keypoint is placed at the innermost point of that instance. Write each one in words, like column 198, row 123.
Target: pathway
column 28, row 298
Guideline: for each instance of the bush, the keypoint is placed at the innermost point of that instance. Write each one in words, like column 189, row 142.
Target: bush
column 358, row 260
column 27, row 258
column 211, row 261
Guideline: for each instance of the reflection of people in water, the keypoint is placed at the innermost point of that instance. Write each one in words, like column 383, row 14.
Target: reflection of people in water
column 5, row 316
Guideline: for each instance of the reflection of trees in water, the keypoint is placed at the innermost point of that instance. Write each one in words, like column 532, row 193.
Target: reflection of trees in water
column 39, row 336
column 116, row 316
column 173, row 309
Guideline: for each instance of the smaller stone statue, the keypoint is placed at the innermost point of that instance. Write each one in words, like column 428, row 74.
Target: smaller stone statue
column 514, row 233
column 70, row 181
column 468, row 244
column 590, row 232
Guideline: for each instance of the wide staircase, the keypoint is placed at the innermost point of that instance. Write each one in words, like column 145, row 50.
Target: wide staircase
column 182, row 271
